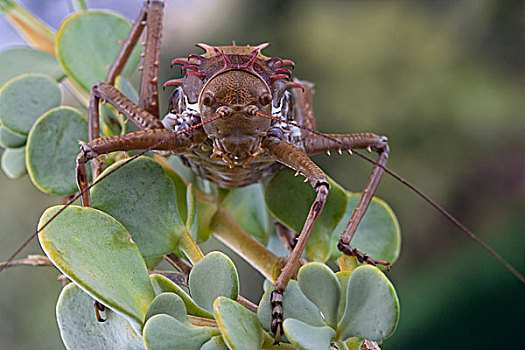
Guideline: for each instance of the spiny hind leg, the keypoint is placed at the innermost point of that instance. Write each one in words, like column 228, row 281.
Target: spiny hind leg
column 296, row 159
column 315, row 144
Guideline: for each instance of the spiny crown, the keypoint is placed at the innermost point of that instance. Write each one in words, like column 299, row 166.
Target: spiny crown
column 220, row 59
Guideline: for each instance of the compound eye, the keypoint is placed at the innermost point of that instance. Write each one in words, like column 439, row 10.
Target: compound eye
column 207, row 99
column 265, row 99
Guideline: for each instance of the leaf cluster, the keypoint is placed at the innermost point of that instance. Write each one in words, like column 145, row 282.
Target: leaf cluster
column 147, row 210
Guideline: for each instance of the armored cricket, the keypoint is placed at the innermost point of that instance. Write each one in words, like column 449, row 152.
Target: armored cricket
column 235, row 118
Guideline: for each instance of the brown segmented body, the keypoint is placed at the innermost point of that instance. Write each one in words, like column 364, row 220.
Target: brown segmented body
column 232, row 121
column 235, row 90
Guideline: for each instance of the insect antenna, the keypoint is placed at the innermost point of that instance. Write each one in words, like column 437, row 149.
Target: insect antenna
column 412, row 187
column 77, row 196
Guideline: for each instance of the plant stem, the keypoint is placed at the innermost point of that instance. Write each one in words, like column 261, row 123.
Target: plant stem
column 32, row 260
column 77, row 5
column 226, row 230
column 341, row 345
column 35, row 32
column 190, row 248
column 247, row 304
column 268, row 344
column 202, row 322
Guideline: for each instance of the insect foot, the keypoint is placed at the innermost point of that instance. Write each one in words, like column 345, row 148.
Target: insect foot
column 347, row 249
column 276, row 301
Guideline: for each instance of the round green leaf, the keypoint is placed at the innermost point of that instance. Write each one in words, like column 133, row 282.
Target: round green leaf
column 215, row 343
column 213, row 276
column 80, row 329
column 289, row 199
column 21, row 60
column 354, row 343
column 320, row 284
column 205, row 212
column 14, row 162
column 372, row 307
column 163, row 332
column 124, row 85
column 10, row 139
column 307, row 337
column 246, row 205
column 295, row 305
column 170, row 304
column 162, row 284
column 25, row 98
column 52, row 148
column 143, row 199
column 239, row 327
column 184, row 171
column 192, row 222
column 378, row 233
column 97, row 253
column 88, row 43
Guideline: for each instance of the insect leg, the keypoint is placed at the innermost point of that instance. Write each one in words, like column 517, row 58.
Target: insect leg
column 315, row 144
column 296, row 159
column 137, row 115
column 303, row 104
column 149, row 87
column 141, row 139
column 287, row 237
column 150, row 15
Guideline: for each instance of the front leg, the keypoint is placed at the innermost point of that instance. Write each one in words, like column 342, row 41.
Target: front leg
column 315, row 144
column 160, row 139
column 296, row 159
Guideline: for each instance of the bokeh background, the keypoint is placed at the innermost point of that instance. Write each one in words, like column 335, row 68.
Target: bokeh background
column 444, row 80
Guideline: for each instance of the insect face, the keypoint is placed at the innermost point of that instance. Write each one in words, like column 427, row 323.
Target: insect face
column 236, row 95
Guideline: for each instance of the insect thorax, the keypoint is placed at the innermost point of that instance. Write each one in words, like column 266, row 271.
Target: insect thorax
column 183, row 114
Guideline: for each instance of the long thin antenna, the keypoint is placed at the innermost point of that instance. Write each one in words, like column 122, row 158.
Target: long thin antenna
column 439, row 208
column 126, row 162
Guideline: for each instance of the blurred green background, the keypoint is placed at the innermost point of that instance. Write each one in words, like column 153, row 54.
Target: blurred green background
column 444, row 80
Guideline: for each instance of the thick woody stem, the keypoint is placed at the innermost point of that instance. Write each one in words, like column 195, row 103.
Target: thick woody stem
column 231, row 234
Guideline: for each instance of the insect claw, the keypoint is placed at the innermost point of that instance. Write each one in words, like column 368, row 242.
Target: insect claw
column 179, row 61
column 283, row 71
column 197, row 58
column 369, row 149
column 339, row 151
column 141, row 68
column 173, row 82
column 328, row 153
column 306, row 179
column 278, row 77
column 98, row 308
column 205, row 47
column 288, row 63
column 350, row 151
column 142, row 54
column 297, row 173
column 292, row 84
column 197, row 74
column 143, row 43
